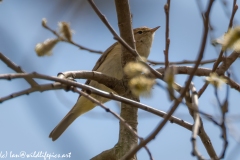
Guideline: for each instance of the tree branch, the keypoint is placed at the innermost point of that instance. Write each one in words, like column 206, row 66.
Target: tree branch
column 111, row 82
column 178, row 101
column 69, row 41
column 17, row 69
column 202, row 72
column 219, row 60
column 182, row 62
column 190, row 101
column 167, row 39
column 126, row 140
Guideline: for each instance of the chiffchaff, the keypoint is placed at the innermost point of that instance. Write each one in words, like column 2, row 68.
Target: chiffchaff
column 110, row 64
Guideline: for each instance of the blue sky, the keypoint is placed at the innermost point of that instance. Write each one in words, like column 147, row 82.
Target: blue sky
column 26, row 121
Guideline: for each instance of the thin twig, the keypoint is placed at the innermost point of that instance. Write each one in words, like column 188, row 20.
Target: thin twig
column 227, row 62
column 225, row 4
column 188, row 100
column 197, row 121
column 39, row 88
column 182, row 62
column 116, row 36
column 69, row 41
column 167, row 39
column 203, row 72
column 234, row 10
column 17, row 69
column 224, row 109
column 201, row 132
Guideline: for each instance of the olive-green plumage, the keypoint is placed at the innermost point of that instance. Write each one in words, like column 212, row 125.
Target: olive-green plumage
column 110, row 64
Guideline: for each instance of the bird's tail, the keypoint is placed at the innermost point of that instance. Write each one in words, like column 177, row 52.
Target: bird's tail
column 83, row 105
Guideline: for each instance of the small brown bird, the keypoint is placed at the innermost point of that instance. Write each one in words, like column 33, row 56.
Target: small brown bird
column 110, row 64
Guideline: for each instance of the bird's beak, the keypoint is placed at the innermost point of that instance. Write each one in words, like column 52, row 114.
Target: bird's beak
column 154, row 29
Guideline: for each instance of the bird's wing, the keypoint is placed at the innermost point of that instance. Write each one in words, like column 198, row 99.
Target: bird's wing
column 101, row 60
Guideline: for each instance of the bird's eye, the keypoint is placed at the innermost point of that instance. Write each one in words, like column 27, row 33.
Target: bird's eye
column 140, row 32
